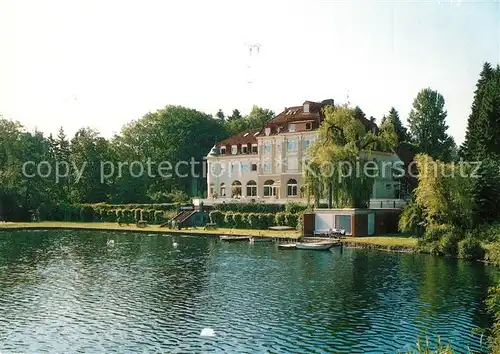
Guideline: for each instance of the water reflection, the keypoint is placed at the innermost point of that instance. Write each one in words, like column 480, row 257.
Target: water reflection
column 67, row 291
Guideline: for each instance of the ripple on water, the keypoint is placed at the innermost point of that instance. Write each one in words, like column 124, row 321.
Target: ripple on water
column 68, row 292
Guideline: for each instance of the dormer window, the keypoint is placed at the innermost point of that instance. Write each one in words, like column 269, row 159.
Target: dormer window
column 308, row 126
column 244, row 149
column 268, row 131
column 234, row 149
column 254, row 148
column 223, row 150
column 306, row 107
column 291, row 128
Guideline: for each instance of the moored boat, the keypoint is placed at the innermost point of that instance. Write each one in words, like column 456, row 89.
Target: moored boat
column 318, row 246
column 260, row 239
column 228, row 238
column 287, row 246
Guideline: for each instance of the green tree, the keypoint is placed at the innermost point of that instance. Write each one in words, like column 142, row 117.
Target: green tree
column 175, row 134
column 220, row 115
column 427, row 123
column 343, row 142
column 88, row 150
column 445, row 192
column 400, row 129
column 481, row 125
column 256, row 119
column 235, row 115
column 486, row 192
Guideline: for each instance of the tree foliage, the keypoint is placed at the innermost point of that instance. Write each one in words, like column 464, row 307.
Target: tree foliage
column 393, row 118
column 343, row 142
column 257, row 118
column 483, row 126
column 427, row 125
column 445, row 192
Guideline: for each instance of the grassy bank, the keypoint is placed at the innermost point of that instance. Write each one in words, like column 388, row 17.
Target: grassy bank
column 379, row 241
column 109, row 226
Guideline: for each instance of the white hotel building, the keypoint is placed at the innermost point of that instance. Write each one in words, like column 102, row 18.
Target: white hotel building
column 266, row 164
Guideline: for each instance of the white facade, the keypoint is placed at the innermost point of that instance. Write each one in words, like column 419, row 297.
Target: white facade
column 267, row 164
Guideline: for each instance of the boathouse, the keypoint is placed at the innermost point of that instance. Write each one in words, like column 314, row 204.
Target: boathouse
column 355, row 222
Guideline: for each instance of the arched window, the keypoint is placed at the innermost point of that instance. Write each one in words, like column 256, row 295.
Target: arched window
column 269, row 188
column 236, row 189
column 222, row 190
column 292, row 188
column 251, row 189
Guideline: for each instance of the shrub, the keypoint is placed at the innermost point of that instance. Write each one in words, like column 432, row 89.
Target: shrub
column 216, row 217
column 228, row 219
column 119, row 215
column 435, row 249
column 86, row 213
column 449, row 244
column 159, row 216
column 436, row 232
column 270, row 220
column 238, row 220
column 291, row 220
column 493, row 302
column 295, row 208
column 98, row 214
column 493, row 253
column 279, row 219
column 445, row 237
column 253, row 221
column 127, row 216
column 470, row 248
column 300, row 222
column 413, row 219
column 137, row 214
column 111, row 215
column 144, row 215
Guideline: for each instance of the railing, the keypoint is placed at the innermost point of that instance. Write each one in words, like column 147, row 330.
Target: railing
column 387, row 203
column 374, row 203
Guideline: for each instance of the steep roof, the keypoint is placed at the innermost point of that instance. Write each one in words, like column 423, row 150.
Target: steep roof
column 249, row 136
column 279, row 124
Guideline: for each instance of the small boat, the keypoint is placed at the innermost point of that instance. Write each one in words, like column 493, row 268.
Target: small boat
column 287, row 246
column 318, row 246
column 260, row 239
column 228, row 238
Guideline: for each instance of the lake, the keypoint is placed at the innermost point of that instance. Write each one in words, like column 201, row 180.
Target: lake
column 69, row 291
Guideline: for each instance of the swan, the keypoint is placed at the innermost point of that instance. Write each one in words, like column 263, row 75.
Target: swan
column 110, row 242
column 207, row 332
column 175, row 244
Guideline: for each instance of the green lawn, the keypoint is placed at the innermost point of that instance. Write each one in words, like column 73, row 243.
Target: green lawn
column 149, row 228
column 396, row 241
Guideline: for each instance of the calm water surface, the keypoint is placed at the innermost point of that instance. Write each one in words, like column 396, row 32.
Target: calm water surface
column 69, row 292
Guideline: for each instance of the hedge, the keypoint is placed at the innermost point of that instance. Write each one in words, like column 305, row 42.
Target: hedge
column 260, row 207
column 253, row 220
column 155, row 207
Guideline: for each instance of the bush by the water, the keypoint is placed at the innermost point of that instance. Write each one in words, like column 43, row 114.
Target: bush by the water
column 493, row 303
column 470, row 248
column 87, row 213
column 441, row 240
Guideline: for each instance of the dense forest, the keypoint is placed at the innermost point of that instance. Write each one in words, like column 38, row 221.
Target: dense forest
column 38, row 172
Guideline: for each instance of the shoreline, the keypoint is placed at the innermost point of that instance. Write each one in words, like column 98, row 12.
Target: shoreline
column 384, row 243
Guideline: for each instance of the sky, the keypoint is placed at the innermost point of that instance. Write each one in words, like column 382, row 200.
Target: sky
column 103, row 63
